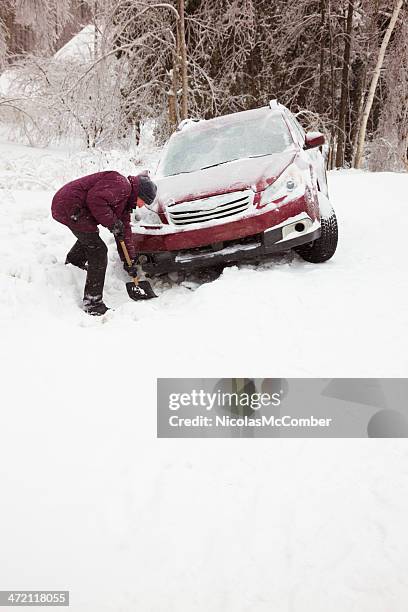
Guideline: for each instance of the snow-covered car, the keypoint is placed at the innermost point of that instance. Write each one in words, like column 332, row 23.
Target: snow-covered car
column 238, row 187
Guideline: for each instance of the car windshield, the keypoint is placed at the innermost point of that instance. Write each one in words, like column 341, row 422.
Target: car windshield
column 195, row 149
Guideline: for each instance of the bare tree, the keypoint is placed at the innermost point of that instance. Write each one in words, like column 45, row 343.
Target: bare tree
column 373, row 85
column 341, row 129
column 45, row 18
column 166, row 60
column 389, row 147
column 181, row 31
column 3, row 45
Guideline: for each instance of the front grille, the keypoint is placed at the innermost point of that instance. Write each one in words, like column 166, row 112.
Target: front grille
column 210, row 209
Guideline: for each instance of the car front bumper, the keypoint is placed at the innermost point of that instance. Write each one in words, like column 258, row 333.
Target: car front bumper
column 284, row 236
column 167, row 237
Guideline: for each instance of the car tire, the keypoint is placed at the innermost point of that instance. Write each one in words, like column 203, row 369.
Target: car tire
column 323, row 248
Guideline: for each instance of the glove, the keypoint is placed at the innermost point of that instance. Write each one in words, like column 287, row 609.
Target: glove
column 118, row 230
column 131, row 270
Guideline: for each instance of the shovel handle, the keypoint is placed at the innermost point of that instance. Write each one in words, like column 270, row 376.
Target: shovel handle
column 128, row 260
column 125, row 252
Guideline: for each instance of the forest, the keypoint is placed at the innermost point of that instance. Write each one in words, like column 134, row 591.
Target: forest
column 340, row 65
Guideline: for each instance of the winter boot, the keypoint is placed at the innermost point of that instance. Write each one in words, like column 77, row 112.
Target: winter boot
column 94, row 306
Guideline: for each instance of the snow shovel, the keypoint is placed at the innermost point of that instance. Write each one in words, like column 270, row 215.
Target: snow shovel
column 137, row 289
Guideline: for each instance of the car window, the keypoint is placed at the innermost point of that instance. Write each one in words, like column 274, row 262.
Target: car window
column 219, row 143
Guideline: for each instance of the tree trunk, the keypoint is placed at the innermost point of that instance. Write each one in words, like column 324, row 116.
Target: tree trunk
column 183, row 61
column 172, row 97
column 330, row 160
column 322, row 55
column 344, row 87
column 373, row 86
column 95, row 37
column 405, row 154
column 357, row 106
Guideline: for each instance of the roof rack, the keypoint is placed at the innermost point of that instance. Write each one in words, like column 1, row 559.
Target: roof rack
column 273, row 103
column 186, row 122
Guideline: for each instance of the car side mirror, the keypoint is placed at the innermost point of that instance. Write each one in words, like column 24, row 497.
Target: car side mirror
column 313, row 140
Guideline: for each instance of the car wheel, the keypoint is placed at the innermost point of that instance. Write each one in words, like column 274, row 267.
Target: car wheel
column 323, row 248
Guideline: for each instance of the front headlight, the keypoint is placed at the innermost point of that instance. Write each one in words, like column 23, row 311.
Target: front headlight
column 149, row 218
column 291, row 183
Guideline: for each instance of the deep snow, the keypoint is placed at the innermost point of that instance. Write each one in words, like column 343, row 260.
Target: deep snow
column 342, row 318
column 92, row 502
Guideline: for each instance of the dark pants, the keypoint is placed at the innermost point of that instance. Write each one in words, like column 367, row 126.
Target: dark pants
column 90, row 248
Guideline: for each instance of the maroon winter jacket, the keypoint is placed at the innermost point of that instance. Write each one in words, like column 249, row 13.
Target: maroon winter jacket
column 100, row 198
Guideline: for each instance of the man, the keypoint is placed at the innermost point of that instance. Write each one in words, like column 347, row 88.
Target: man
column 104, row 198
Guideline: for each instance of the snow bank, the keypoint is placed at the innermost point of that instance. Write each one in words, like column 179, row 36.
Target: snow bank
column 94, row 503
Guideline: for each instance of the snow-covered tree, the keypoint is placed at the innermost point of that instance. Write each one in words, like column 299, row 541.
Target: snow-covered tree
column 165, row 60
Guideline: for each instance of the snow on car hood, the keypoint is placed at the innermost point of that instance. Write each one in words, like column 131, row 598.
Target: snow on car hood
column 252, row 173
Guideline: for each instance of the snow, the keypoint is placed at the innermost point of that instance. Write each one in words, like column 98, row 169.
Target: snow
column 326, row 209
column 190, row 255
column 80, row 47
column 91, row 501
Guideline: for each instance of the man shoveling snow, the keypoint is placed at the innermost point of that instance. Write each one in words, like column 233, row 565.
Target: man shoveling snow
column 104, row 198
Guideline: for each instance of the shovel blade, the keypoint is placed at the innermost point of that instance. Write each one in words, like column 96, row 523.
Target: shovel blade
column 141, row 291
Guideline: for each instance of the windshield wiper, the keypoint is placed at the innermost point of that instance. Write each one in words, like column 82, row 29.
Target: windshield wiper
column 260, row 155
column 227, row 161
column 181, row 172
column 236, row 159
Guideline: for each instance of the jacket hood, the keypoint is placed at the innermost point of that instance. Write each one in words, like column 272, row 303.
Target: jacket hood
column 134, row 183
column 134, row 180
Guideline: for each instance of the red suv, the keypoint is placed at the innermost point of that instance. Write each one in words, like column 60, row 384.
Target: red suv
column 238, row 188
